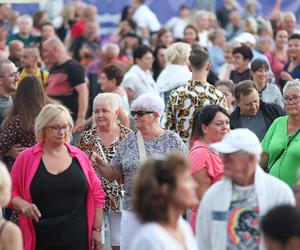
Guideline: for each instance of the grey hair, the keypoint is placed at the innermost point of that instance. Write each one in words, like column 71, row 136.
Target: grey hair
column 149, row 102
column 113, row 46
column 294, row 84
column 112, row 99
column 2, row 63
column 24, row 17
column 178, row 52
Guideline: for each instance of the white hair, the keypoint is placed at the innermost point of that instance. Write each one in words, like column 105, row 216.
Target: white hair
column 294, row 84
column 112, row 99
column 177, row 53
column 113, row 46
column 25, row 17
column 5, row 185
column 149, row 102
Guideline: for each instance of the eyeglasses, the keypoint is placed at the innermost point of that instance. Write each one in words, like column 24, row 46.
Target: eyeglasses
column 14, row 74
column 291, row 100
column 57, row 128
column 140, row 113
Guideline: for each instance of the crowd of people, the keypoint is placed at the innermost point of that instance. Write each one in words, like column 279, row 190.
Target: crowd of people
column 179, row 136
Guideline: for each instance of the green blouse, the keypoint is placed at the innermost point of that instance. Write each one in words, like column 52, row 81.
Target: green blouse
column 275, row 140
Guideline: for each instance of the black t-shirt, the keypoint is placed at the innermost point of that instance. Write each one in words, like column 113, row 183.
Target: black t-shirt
column 61, row 199
column 62, row 82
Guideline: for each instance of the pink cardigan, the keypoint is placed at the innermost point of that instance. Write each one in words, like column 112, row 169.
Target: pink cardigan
column 22, row 173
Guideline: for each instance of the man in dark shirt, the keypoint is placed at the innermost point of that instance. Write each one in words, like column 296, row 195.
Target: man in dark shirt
column 251, row 112
column 66, row 81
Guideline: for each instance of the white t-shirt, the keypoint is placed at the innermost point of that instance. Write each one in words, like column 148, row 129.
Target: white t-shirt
column 144, row 17
column 154, row 237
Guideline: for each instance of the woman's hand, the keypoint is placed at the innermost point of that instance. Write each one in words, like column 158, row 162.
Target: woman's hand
column 31, row 210
column 97, row 161
column 96, row 240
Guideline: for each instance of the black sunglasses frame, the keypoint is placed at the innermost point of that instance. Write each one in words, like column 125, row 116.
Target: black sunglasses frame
column 140, row 113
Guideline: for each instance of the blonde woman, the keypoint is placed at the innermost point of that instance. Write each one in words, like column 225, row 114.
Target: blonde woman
column 10, row 234
column 56, row 189
column 176, row 72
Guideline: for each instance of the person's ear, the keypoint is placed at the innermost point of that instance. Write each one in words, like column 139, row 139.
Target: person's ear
column 293, row 243
column 208, row 67
column 204, row 128
column 190, row 69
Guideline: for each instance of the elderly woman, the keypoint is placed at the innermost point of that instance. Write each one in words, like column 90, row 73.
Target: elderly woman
column 177, row 72
column 104, row 140
column 149, row 139
column 282, row 141
column 209, row 126
column 260, row 74
column 166, row 181
column 10, row 234
column 56, row 189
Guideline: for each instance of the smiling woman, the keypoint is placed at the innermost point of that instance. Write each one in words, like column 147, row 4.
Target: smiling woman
column 149, row 139
column 281, row 142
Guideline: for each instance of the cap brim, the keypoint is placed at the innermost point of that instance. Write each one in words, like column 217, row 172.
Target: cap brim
column 223, row 147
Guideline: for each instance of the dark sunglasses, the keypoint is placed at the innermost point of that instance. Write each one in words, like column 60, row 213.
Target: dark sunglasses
column 140, row 113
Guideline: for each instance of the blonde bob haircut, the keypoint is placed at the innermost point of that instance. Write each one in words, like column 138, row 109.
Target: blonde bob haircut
column 5, row 185
column 178, row 53
column 49, row 115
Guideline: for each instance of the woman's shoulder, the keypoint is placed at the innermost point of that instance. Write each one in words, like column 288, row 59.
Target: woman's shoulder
column 11, row 236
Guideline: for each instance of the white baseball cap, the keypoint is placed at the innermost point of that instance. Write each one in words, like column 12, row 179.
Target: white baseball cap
column 246, row 37
column 236, row 140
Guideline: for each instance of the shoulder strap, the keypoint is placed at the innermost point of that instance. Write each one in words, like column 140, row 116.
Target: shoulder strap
column 282, row 151
column 141, row 146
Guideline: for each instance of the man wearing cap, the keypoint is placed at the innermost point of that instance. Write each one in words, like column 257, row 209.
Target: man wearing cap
column 230, row 211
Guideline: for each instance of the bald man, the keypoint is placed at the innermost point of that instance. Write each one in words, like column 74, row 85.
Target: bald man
column 15, row 48
column 66, row 81
column 30, row 60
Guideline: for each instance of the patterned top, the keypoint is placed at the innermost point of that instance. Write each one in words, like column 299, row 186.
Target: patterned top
column 127, row 157
column 12, row 134
column 185, row 101
column 90, row 142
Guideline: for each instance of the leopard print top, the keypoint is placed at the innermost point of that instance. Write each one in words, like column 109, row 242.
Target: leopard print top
column 89, row 143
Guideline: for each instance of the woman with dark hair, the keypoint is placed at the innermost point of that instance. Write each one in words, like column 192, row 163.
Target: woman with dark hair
column 163, row 190
column 291, row 70
column 267, row 92
column 190, row 35
column 111, row 78
column 159, row 62
column 209, row 126
column 17, row 129
column 139, row 80
column 164, row 37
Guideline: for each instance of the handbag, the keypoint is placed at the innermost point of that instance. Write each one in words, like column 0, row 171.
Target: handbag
column 282, row 151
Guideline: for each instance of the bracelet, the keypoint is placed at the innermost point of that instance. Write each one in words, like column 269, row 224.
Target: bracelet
column 97, row 229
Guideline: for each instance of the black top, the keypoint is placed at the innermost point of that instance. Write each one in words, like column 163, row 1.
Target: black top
column 62, row 82
column 237, row 77
column 61, row 200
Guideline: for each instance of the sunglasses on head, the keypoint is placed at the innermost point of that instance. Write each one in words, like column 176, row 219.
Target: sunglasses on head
column 140, row 113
